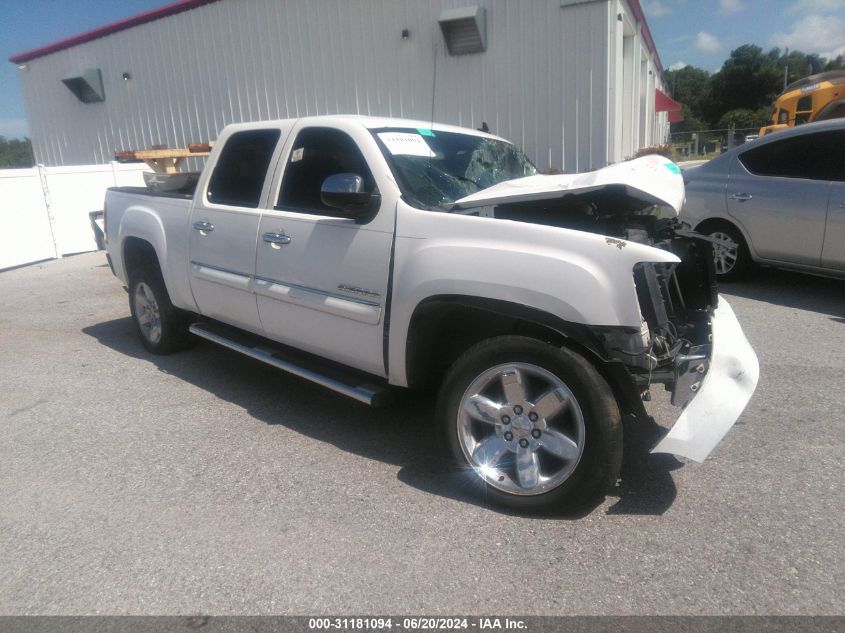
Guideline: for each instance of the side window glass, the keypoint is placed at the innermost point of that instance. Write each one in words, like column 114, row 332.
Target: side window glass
column 811, row 156
column 835, row 110
column 783, row 116
column 317, row 154
column 805, row 104
column 242, row 167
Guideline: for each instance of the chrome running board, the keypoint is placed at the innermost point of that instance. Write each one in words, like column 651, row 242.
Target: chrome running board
column 373, row 395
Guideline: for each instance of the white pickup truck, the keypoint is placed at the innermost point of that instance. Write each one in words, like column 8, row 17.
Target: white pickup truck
column 371, row 254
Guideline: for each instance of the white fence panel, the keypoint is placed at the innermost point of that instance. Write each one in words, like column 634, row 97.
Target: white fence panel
column 25, row 234
column 75, row 192
column 29, row 198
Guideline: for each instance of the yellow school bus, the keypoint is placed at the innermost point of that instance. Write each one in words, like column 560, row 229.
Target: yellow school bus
column 814, row 98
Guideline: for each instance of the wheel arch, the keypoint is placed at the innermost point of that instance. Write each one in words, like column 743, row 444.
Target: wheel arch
column 137, row 252
column 713, row 222
column 443, row 327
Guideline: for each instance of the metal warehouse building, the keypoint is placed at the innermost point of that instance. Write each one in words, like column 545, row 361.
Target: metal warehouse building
column 577, row 83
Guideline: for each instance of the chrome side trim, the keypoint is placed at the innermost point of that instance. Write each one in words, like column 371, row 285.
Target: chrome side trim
column 318, row 291
column 356, row 309
column 222, row 276
column 361, row 394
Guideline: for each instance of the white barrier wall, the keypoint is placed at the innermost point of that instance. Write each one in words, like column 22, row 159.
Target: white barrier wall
column 44, row 210
column 25, row 234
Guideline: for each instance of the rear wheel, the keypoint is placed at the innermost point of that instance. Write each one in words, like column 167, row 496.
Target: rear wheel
column 536, row 425
column 162, row 328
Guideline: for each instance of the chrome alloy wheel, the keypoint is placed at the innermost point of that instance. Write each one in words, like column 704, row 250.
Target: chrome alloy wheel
column 521, row 428
column 724, row 256
column 147, row 313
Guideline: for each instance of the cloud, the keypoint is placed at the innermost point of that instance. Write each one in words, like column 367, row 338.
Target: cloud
column 678, row 65
column 727, row 7
column 708, row 43
column 656, row 9
column 14, row 128
column 817, row 6
column 823, row 34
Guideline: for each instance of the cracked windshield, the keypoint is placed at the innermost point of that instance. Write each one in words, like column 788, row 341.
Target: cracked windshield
column 434, row 168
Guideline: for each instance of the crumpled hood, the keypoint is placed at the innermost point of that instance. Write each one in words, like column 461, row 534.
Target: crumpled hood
column 651, row 179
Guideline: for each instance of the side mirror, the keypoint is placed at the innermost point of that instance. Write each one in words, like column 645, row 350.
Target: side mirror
column 346, row 192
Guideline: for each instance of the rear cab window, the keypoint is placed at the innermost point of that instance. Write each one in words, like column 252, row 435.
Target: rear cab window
column 238, row 176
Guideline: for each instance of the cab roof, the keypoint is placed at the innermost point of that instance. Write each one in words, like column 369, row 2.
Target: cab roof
column 369, row 122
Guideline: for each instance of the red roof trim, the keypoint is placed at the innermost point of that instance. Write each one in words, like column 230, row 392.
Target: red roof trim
column 637, row 10
column 108, row 29
column 665, row 103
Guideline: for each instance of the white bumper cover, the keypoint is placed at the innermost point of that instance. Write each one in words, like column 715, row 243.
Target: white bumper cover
column 725, row 390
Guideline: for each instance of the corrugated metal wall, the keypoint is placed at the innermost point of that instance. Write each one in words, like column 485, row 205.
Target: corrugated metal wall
column 543, row 81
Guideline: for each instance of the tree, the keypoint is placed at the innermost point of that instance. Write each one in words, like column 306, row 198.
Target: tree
column 691, row 123
column 749, row 79
column 835, row 64
column 744, row 119
column 689, row 85
column 743, row 91
column 15, row 153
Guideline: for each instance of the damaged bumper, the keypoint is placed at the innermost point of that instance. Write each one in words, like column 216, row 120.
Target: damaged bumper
column 720, row 396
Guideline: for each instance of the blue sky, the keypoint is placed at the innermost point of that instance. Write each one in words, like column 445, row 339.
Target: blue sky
column 697, row 32
column 25, row 25
column 703, row 32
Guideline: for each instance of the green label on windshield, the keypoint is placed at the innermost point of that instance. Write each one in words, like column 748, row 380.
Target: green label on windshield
column 425, row 132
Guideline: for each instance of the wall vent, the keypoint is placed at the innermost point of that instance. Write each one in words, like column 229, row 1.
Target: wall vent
column 464, row 30
column 88, row 87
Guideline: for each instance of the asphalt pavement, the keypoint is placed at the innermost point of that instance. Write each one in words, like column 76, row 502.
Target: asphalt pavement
column 205, row 482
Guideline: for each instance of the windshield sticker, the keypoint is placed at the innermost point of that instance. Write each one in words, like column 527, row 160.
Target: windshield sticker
column 404, row 144
column 296, row 155
column 673, row 168
column 425, row 132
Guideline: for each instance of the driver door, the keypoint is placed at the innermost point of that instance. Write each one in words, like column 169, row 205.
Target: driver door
column 321, row 279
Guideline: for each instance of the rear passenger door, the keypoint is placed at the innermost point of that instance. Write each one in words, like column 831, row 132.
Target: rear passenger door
column 322, row 279
column 224, row 224
column 779, row 192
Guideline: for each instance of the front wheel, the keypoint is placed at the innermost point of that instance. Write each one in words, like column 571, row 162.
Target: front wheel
column 536, row 425
column 731, row 256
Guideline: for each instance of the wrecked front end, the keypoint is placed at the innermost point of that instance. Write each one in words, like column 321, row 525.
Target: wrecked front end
column 695, row 347
column 689, row 340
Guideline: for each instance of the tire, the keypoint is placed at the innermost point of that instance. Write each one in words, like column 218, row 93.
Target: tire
column 727, row 270
column 161, row 327
column 566, row 454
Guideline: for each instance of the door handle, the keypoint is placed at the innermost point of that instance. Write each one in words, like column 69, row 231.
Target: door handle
column 206, row 227
column 842, row 205
column 742, row 197
column 276, row 238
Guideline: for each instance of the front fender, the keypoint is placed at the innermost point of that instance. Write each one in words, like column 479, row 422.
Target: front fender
column 578, row 277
